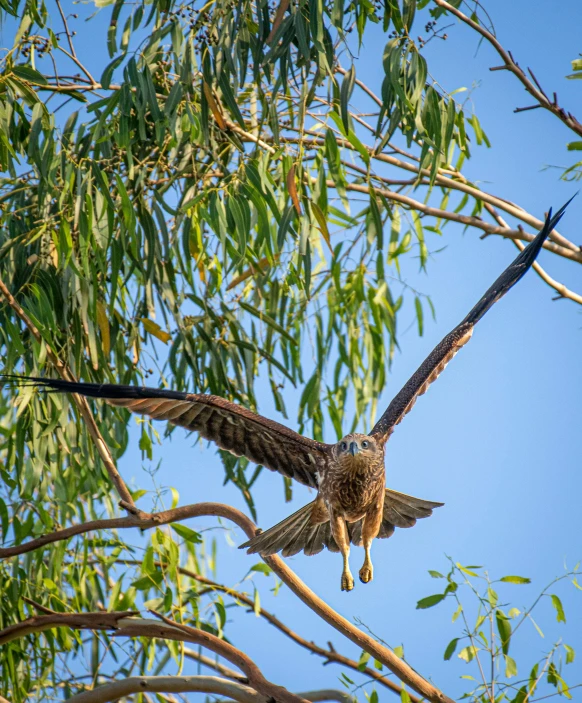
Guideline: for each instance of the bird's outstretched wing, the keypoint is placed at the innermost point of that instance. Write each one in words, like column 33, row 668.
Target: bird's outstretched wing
column 440, row 356
column 232, row 427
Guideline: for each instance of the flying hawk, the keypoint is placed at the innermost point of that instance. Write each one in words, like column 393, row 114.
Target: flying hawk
column 352, row 503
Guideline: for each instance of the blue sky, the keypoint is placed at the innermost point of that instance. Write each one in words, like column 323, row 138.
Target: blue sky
column 496, row 437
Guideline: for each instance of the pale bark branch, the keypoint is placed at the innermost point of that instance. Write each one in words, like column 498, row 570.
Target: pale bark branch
column 169, row 684
column 193, row 684
column 80, row 401
column 469, row 220
column 213, row 664
column 509, row 64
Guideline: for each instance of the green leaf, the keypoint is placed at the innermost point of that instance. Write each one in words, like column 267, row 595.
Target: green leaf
column 510, row 666
column 468, row 653
column 492, row 597
column 30, row 74
column 504, row 629
column 346, row 91
column 419, row 319
column 451, row 647
column 108, row 72
column 575, row 146
column 363, row 661
column 262, row 568
column 188, row 534
column 435, row 574
column 515, row 579
column 570, row 653
column 467, row 570
column 457, row 612
column 430, row 601
column 557, row 603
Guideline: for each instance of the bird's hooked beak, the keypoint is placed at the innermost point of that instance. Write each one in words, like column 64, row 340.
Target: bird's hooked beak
column 354, row 449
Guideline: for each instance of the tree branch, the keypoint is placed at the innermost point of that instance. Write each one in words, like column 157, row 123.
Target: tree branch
column 193, row 684
column 80, row 401
column 77, row 621
column 213, row 664
column 468, row 220
column 509, row 64
column 169, row 684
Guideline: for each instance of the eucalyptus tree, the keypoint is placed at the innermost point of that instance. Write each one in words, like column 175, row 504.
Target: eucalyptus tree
column 204, row 195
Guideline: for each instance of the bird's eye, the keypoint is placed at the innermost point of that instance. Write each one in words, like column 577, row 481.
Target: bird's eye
column 365, row 444
column 344, row 446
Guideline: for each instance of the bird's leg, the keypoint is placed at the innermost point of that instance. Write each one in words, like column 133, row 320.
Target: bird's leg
column 339, row 530
column 370, row 528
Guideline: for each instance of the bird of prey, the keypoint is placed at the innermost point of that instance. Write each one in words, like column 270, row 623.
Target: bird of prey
column 352, row 503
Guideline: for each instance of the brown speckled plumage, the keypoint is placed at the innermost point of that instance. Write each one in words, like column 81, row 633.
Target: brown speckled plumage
column 352, row 504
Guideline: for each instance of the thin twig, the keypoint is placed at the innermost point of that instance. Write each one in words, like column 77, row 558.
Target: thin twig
column 66, row 26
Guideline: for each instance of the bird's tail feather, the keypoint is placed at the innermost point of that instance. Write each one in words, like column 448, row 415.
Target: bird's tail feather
column 290, row 535
column 297, row 533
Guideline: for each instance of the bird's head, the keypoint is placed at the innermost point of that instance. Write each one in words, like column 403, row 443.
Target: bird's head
column 357, row 448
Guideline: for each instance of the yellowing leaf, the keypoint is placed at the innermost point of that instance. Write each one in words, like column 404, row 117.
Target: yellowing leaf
column 153, row 328
column 214, row 106
column 103, row 323
column 283, row 5
column 320, row 217
column 292, row 189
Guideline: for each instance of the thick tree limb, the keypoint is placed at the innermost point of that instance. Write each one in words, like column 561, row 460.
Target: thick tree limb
column 80, row 401
column 146, row 520
column 509, row 64
column 77, row 621
column 169, row 684
column 137, row 518
column 190, row 684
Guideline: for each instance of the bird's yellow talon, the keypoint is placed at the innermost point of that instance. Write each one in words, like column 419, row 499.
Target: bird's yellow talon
column 366, row 573
column 347, row 581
